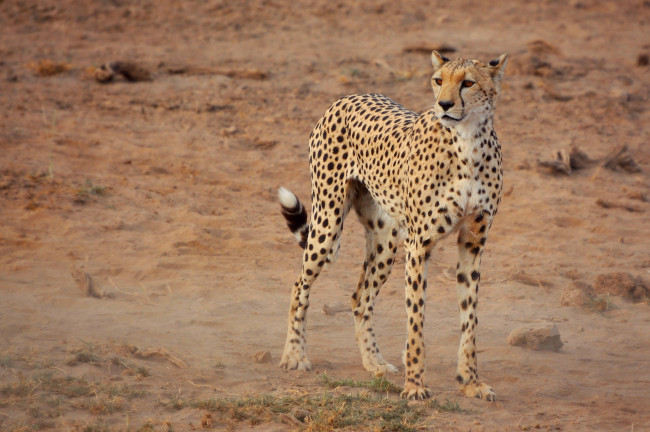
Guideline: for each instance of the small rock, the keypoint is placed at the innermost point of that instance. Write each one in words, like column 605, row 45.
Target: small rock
column 537, row 338
column 622, row 284
column 103, row 74
column 130, row 71
column 334, row 308
column 231, row 130
column 262, row 357
column 578, row 293
column 572, row 274
column 290, row 420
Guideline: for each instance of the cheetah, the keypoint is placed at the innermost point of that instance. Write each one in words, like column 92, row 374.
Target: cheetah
column 411, row 178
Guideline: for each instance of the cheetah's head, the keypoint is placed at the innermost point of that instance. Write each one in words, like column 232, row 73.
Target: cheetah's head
column 465, row 90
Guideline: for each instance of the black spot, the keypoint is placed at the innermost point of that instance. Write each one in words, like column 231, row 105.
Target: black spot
column 475, row 275
column 441, row 229
column 461, row 278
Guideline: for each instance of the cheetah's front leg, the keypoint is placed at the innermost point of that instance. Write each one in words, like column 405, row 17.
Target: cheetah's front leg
column 470, row 247
column 414, row 355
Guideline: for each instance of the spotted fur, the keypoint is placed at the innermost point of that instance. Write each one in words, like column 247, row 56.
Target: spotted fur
column 410, row 177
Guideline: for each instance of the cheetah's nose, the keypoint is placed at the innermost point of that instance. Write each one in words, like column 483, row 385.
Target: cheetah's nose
column 445, row 104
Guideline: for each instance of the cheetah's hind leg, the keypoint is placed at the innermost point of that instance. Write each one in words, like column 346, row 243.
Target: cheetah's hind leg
column 381, row 247
column 317, row 239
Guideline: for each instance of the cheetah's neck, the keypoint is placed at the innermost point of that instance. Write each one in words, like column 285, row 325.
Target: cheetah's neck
column 474, row 141
column 474, row 131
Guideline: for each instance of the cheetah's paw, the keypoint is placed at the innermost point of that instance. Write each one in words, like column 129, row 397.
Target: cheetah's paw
column 378, row 366
column 381, row 370
column 413, row 392
column 479, row 390
column 292, row 362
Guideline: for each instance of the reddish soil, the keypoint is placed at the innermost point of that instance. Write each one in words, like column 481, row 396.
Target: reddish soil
column 164, row 192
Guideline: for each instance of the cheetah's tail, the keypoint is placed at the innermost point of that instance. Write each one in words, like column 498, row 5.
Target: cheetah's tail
column 295, row 214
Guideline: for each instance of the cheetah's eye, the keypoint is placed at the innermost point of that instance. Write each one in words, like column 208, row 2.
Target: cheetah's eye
column 468, row 83
column 438, row 81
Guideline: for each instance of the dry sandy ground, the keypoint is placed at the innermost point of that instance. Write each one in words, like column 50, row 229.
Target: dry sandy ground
column 164, row 193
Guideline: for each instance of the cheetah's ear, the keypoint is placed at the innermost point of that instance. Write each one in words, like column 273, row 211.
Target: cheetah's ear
column 438, row 60
column 497, row 67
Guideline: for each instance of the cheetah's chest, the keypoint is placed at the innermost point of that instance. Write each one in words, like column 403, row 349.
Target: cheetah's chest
column 461, row 180
column 469, row 186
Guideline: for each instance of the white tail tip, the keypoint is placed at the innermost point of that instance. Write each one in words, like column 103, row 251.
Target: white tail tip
column 287, row 198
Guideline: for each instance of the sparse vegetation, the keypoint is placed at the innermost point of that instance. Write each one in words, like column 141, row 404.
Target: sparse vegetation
column 378, row 384
column 97, row 427
column 86, row 354
column 600, row 303
column 446, row 406
column 6, row 360
column 322, row 412
column 91, row 189
column 51, row 393
column 371, row 410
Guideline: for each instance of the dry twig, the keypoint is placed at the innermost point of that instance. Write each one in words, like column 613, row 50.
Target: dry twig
column 164, row 354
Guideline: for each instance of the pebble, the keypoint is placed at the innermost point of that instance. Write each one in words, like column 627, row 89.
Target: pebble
column 263, row 357
column 545, row 338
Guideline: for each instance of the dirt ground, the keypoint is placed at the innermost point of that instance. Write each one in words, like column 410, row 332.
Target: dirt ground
column 164, row 193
